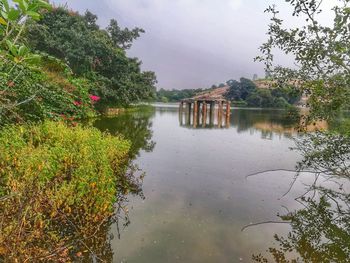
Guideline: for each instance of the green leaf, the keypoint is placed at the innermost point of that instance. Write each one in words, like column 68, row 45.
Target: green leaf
column 33, row 59
column 9, row 43
column 13, row 14
column 22, row 51
column 6, row 5
column 44, row 4
column 4, row 15
column 37, row 5
column 34, row 15
column 14, row 51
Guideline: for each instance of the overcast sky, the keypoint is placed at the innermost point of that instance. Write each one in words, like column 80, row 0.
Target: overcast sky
column 191, row 43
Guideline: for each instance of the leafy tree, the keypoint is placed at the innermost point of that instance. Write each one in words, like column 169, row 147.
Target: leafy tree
column 321, row 53
column 234, row 92
column 239, row 90
column 26, row 92
column 123, row 37
column 254, row 100
column 94, row 53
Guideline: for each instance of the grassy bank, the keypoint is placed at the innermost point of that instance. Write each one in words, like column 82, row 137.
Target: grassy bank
column 58, row 186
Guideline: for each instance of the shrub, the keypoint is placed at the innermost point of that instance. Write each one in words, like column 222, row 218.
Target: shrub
column 58, row 185
column 29, row 94
column 280, row 102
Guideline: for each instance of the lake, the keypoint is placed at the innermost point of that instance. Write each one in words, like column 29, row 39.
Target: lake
column 197, row 196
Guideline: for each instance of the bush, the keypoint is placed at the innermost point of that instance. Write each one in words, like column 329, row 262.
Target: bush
column 58, row 185
column 280, row 102
column 33, row 94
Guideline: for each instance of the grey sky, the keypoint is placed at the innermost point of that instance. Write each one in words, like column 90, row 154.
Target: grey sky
column 191, row 43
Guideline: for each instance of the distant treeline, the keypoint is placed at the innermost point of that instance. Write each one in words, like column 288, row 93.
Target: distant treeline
column 243, row 93
column 246, row 93
column 176, row 95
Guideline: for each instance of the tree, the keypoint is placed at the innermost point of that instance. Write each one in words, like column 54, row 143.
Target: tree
column 123, row 37
column 26, row 92
column 240, row 90
column 321, row 54
column 96, row 54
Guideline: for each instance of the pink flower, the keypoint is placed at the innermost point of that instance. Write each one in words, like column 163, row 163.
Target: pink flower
column 77, row 103
column 94, row 98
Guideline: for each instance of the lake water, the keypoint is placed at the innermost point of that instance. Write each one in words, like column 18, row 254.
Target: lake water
column 197, row 194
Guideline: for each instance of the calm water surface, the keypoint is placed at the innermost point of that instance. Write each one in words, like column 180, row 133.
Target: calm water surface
column 197, row 196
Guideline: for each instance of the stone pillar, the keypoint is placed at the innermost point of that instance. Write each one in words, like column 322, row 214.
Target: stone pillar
column 228, row 113
column 204, row 114
column 181, row 108
column 188, row 113
column 211, row 113
column 195, row 114
column 220, row 114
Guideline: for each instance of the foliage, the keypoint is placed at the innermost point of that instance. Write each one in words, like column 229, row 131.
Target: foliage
column 33, row 95
column 94, row 53
column 13, row 21
column 239, row 90
column 321, row 53
column 321, row 230
column 34, row 86
column 58, row 187
column 246, row 91
column 174, row 95
column 123, row 37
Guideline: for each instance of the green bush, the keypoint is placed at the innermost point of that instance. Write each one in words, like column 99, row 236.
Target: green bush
column 29, row 94
column 280, row 102
column 58, row 184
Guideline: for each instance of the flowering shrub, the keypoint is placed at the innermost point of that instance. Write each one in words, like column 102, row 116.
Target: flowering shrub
column 28, row 95
column 94, row 98
column 58, row 186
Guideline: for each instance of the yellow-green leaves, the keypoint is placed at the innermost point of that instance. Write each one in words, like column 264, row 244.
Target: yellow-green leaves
column 3, row 21
column 66, row 184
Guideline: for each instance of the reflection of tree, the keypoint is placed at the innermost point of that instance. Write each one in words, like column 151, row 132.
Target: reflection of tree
column 321, row 230
column 134, row 126
column 268, row 122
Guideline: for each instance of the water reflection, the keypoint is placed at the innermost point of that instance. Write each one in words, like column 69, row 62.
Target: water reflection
column 136, row 126
column 320, row 232
column 268, row 122
column 321, row 229
column 197, row 196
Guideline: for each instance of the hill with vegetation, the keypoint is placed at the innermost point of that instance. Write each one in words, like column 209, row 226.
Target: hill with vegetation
column 245, row 92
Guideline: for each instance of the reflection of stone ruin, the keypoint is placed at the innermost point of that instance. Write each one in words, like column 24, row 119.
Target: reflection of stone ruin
column 206, row 109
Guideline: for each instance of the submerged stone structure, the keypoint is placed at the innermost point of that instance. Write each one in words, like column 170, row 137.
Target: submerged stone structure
column 207, row 109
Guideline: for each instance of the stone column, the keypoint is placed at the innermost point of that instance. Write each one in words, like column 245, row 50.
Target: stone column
column 195, row 114
column 181, row 108
column 220, row 114
column 188, row 113
column 204, row 114
column 211, row 113
column 228, row 113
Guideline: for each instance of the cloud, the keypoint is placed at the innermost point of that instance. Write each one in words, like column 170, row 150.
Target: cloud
column 193, row 43
column 235, row 4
